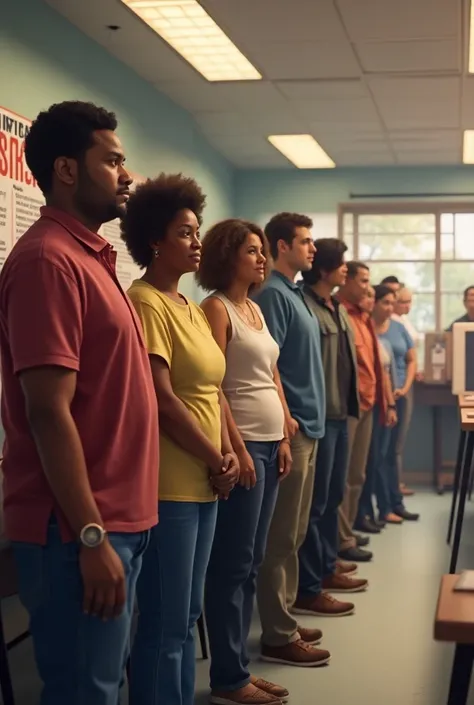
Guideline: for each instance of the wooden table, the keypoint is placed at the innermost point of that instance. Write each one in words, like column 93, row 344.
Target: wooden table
column 436, row 396
column 454, row 623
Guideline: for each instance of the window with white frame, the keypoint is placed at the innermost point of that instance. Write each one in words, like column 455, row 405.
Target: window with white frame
column 430, row 248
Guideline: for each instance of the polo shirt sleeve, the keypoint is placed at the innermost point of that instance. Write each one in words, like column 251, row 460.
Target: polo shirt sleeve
column 275, row 311
column 156, row 330
column 44, row 316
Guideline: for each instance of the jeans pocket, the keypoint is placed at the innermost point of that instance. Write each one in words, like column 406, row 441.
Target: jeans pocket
column 32, row 583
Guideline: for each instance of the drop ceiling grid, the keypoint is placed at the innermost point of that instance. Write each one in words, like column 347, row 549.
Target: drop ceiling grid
column 328, row 69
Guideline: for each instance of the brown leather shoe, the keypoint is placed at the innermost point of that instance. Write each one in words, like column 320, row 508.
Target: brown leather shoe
column 345, row 568
column 342, row 583
column 322, row 605
column 278, row 691
column 310, row 636
column 248, row 695
column 298, row 653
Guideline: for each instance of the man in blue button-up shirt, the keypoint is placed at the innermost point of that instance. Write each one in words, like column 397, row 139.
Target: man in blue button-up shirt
column 297, row 333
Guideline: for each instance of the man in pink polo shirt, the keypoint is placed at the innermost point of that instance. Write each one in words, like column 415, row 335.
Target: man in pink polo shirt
column 79, row 411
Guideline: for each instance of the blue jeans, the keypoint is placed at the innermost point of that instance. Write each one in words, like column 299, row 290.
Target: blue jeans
column 170, row 598
column 391, row 464
column 80, row 658
column 318, row 554
column 239, row 546
column 376, row 474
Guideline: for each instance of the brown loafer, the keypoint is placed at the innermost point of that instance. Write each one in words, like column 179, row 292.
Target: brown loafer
column 297, row 653
column 248, row 695
column 278, row 691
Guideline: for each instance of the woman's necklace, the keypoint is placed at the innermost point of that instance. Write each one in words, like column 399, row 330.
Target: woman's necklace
column 243, row 309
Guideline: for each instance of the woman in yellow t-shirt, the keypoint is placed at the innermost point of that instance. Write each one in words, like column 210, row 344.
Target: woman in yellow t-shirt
column 161, row 231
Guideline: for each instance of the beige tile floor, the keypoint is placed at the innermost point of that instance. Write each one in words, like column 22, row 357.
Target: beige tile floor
column 383, row 655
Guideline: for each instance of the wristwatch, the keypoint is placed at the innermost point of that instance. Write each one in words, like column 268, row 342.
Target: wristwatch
column 392, row 406
column 92, row 535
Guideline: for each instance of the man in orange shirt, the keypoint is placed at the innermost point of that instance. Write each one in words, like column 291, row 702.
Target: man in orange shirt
column 371, row 390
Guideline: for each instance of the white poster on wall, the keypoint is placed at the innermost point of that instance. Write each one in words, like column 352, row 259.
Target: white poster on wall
column 21, row 198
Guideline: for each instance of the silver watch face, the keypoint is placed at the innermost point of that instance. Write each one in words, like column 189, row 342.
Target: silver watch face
column 92, row 536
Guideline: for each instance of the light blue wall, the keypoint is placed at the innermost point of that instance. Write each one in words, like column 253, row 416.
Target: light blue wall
column 259, row 192
column 44, row 59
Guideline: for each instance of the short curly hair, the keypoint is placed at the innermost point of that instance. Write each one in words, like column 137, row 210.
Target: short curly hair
column 282, row 227
column 219, row 252
column 152, row 208
column 64, row 130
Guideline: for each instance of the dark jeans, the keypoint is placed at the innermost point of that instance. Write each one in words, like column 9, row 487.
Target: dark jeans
column 391, row 465
column 80, row 658
column 239, row 546
column 318, row 554
column 376, row 480
column 170, row 598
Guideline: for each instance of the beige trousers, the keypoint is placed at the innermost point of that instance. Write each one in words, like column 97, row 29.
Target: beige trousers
column 360, row 434
column 277, row 583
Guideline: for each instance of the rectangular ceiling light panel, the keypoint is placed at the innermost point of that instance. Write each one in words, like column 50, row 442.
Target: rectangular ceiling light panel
column 468, row 147
column 303, row 151
column 187, row 27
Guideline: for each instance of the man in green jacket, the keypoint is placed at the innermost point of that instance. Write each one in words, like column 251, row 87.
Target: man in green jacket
column 319, row 571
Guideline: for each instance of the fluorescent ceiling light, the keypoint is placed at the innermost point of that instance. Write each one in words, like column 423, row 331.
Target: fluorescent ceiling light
column 303, row 151
column 471, row 37
column 187, row 27
column 468, row 147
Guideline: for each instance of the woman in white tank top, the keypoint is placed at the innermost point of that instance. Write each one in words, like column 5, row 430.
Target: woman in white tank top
column 233, row 262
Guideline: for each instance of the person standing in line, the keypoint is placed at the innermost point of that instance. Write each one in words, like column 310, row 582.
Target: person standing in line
column 161, row 231
column 404, row 358
column 393, row 283
column 371, row 391
column 297, row 334
column 318, row 572
column 468, row 301
column 233, row 264
column 376, row 481
column 80, row 458
column 401, row 314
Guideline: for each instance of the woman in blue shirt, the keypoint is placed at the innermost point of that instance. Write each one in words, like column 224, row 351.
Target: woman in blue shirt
column 404, row 362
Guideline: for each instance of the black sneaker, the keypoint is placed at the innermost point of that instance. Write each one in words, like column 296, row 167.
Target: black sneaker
column 405, row 514
column 361, row 541
column 380, row 524
column 355, row 554
column 366, row 526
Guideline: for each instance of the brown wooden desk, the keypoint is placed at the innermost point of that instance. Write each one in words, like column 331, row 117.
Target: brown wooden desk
column 454, row 623
column 436, row 396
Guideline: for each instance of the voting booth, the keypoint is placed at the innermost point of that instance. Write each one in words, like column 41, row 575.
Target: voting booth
column 463, row 359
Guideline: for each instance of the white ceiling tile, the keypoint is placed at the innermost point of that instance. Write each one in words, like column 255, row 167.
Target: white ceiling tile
column 359, row 110
column 413, row 158
column 323, row 90
column 365, row 159
column 406, row 103
column 305, row 60
column 410, row 56
column 403, row 19
column 467, row 116
column 223, row 122
column 248, row 21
